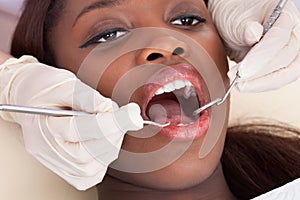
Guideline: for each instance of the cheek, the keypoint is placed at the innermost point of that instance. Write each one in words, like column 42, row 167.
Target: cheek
column 67, row 54
column 99, row 69
column 216, row 50
column 109, row 83
column 211, row 41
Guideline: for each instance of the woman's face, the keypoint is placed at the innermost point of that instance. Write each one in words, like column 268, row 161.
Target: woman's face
column 154, row 36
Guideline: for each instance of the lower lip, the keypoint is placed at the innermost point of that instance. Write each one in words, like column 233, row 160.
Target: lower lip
column 189, row 132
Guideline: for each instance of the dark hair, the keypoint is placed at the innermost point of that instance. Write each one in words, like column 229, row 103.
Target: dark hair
column 34, row 26
column 255, row 158
column 259, row 157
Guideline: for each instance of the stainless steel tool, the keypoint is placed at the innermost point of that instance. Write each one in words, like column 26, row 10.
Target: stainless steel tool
column 57, row 112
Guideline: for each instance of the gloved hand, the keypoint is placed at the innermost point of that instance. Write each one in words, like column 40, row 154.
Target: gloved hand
column 269, row 64
column 78, row 149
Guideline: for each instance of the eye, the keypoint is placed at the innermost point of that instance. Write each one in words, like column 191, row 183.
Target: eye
column 187, row 20
column 106, row 36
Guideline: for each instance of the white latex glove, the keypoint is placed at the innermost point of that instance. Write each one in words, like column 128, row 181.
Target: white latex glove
column 78, row 149
column 275, row 60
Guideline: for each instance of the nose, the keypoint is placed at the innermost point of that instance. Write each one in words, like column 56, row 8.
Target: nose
column 161, row 49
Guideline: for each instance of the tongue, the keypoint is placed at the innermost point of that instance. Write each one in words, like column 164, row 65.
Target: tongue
column 167, row 110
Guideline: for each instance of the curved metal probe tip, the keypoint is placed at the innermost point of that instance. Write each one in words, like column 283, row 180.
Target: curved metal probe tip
column 218, row 101
column 157, row 124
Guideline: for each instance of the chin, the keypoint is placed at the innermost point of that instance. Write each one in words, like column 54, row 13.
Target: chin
column 186, row 172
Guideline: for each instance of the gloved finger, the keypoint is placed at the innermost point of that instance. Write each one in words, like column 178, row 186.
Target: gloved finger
column 90, row 127
column 267, row 49
column 67, row 128
column 82, row 174
column 85, row 98
column 253, row 33
column 62, row 164
column 83, row 139
column 80, row 181
column 90, row 137
column 98, row 144
column 129, row 118
column 283, row 59
column 69, row 133
column 81, row 177
column 62, row 89
column 113, row 127
column 111, row 130
column 78, row 96
column 67, row 157
column 56, row 79
column 273, row 80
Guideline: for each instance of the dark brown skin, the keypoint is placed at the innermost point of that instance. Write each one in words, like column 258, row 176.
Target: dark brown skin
column 255, row 160
column 73, row 31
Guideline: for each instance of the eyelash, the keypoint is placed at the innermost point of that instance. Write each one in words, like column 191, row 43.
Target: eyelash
column 179, row 20
column 115, row 33
column 106, row 36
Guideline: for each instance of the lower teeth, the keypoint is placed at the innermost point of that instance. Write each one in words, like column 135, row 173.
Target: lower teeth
column 184, row 125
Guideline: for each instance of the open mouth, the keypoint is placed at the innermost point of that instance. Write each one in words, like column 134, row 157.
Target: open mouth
column 173, row 94
column 174, row 103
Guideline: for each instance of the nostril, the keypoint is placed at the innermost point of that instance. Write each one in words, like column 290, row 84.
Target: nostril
column 154, row 56
column 178, row 51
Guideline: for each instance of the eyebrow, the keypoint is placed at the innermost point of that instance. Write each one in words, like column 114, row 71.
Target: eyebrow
column 97, row 5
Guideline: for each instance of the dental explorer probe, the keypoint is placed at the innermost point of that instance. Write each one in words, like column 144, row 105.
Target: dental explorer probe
column 57, row 112
column 267, row 26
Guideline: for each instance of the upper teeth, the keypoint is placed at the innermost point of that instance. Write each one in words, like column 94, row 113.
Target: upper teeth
column 176, row 85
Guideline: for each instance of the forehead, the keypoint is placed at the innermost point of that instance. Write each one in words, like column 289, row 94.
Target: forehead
column 89, row 5
column 81, row 7
column 94, row 4
column 75, row 9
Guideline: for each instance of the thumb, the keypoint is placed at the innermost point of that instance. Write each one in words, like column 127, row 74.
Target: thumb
column 255, row 62
column 102, row 125
column 253, row 33
column 129, row 117
column 85, row 98
column 243, row 39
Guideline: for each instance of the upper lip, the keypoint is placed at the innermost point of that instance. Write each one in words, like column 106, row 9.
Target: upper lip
column 165, row 75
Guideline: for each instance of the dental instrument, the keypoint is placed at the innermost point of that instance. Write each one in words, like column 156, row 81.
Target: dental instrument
column 274, row 16
column 267, row 26
column 57, row 113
